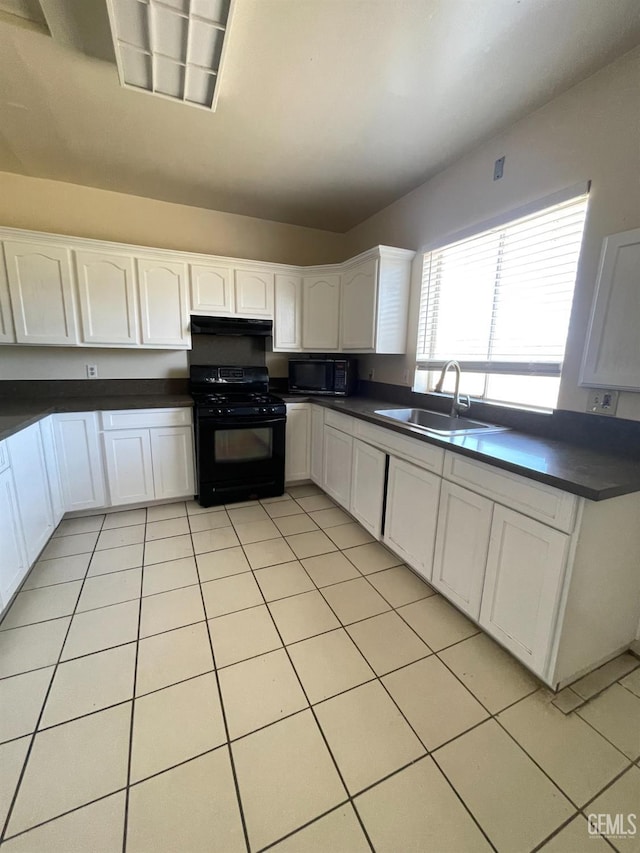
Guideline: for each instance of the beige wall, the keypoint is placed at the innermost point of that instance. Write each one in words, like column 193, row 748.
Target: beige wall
column 590, row 132
column 61, row 208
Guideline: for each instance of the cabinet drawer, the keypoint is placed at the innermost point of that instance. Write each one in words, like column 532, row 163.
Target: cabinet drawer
column 537, row 500
column 344, row 423
column 426, row 455
column 140, row 418
column 4, row 456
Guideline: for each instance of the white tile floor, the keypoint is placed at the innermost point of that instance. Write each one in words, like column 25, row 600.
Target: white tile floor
column 182, row 680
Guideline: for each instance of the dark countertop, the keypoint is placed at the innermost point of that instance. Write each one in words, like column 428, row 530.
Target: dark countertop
column 16, row 414
column 592, row 474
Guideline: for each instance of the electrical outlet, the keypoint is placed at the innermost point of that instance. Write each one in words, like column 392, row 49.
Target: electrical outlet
column 602, row 402
column 498, row 169
column 92, row 371
column 371, row 375
column 405, row 377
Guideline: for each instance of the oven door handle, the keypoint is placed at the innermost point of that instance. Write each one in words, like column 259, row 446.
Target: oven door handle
column 258, row 422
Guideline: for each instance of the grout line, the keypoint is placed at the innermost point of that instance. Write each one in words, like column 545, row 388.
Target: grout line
column 223, row 712
column 34, row 734
column 133, row 698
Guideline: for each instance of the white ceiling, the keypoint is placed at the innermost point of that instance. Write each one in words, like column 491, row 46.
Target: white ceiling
column 329, row 109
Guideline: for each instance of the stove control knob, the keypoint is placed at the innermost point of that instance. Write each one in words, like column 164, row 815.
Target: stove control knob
column 228, row 411
column 219, row 412
column 263, row 410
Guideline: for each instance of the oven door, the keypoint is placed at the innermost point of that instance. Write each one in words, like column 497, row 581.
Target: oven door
column 239, row 457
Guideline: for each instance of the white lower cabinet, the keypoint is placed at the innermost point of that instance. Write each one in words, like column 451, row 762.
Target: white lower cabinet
column 147, row 461
column 80, row 460
column 411, row 514
column 26, row 454
column 338, row 448
column 53, row 471
column 367, row 486
column 462, row 540
column 13, row 562
column 523, row 583
column 127, row 454
column 317, row 445
column 172, row 458
column 297, row 454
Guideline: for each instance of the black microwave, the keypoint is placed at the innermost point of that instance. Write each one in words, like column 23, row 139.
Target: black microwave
column 335, row 377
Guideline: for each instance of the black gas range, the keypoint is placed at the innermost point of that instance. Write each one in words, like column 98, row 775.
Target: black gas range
column 240, row 431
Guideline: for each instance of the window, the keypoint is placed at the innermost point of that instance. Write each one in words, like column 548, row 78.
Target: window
column 499, row 303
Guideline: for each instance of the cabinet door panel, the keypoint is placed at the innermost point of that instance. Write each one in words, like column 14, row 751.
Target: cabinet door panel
column 129, row 470
column 337, row 465
column 53, row 473
column 80, row 460
column 163, row 303
column 13, row 565
column 254, row 293
column 320, row 312
column 40, row 279
column 7, row 335
column 26, row 453
column 359, row 290
column 462, row 540
column 523, row 582
column 287, row 323
column 412, row 511
column 172, row 454
column 211, row 289
column 107, row 298
column 367, row 486
column 317, row 445
column 298, row 439
column 612, row 351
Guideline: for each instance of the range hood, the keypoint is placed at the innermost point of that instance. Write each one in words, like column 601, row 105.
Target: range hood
column 235, row 326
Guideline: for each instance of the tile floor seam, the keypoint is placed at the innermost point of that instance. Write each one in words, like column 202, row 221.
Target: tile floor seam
column 495, row 717
column 33, row 735
column 602, row 735
column 311, row 708
column 133, row 695
column 223, row 712
column 63, row 814
column 309, row 823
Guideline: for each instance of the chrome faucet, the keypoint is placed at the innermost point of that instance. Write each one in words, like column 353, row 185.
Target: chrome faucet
column 459, row 403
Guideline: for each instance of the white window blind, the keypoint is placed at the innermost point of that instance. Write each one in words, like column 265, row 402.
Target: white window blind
column 500, row 301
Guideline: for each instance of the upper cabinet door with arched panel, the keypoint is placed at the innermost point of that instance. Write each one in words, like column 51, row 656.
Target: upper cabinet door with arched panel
column 40, row 284
column 254, row 293
column 211, row 289
column 359, row 292
column 320, row 312
column 287, row 331
column 163, row 303
column 107, row 298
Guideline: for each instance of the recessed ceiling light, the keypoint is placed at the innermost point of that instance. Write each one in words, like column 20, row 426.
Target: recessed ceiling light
column 171, row 48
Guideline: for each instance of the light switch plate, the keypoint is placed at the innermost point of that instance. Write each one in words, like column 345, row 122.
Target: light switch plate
column 602, row 402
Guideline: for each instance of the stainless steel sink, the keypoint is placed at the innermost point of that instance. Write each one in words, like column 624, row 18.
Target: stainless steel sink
column 437, row 423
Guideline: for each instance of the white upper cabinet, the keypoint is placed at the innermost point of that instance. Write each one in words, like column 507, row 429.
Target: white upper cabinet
column 375, row 301
column 358, row 314
column 287, row 323
column 612, row 352
column 40, row 284
column 253, row 293
column 211, row 289
column 106, row 292
column 7, row 335
column 321, row 313
column 163, row 303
